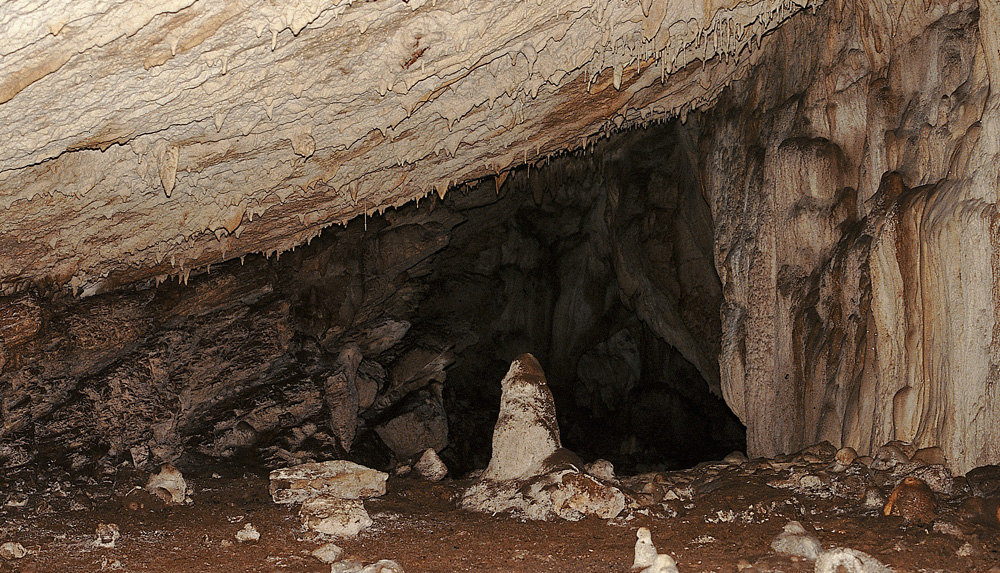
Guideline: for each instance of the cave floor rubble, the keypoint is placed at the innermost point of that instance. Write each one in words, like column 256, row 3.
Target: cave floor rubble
column 724, row 519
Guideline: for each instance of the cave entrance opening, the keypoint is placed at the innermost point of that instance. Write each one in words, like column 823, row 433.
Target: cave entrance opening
column 600, row 263
column 390, row 335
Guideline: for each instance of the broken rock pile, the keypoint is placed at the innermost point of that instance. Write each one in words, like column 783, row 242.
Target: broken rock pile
column 530, row 474
column 331, row 494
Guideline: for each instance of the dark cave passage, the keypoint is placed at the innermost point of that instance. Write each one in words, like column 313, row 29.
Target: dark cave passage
column 390, row 336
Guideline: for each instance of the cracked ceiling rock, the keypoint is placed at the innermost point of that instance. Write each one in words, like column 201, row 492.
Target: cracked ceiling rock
column 146, row 139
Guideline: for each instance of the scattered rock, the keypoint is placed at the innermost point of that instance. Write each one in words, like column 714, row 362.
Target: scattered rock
column 526, row 433
column 168, row 485
column 846, row 456
column 12, row 550
column 912, row 500
column 328, row 553
column 981, row 510
column 736, row 458
column 106, row 534
column 601, row 469
column 984, row 480
column 907, row 448
column 580, row 495
column 430, row 466
column 938, row 478
column 16, row 500
column 843, row 560
column 339, row 517
column 248, row 534
column 796, row 541
column 966, row 550
column 338, row 479
column 874, row 497
column 423, row 426
column 823, row 451
column 887, row 457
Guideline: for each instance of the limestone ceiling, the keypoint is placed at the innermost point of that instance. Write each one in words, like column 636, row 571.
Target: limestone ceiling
column 147, row 139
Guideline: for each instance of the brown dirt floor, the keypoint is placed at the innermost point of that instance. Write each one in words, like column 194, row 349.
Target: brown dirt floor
column 418, row 525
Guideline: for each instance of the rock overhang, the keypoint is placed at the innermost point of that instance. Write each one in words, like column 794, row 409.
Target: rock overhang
column 149, row 140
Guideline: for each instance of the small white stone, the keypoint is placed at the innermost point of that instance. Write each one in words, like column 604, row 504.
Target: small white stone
column 328, row 553
column 430, row 467
column 106, row 534
column 846, row 455
column 810, row 481
column 601, row 469
column 168, row 485
column 965, row 550
column 12, row 550
column 796, row 541
column 248, row 534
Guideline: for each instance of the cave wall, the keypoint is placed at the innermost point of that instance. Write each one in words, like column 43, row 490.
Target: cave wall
column 853, row 183
column 391, row 334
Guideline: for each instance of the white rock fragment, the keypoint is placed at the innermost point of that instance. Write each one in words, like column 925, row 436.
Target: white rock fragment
column 526, row 433
column 663, row 564
column 339, row 517
column 383, row 566
column 106, row 534
column 796, row 541
column 843, row 560
column 601, row 469
column 168, row 485
column 645, row 551
column 966, row 550
column 346, row 566
column 12, row 550
column 430, row 466
column 328, row 553
column 248, row 534
column 337, row 478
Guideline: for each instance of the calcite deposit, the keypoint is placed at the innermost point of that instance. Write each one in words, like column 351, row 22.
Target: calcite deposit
column 150, row 140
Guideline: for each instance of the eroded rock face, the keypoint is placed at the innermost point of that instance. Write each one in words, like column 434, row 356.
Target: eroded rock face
column 855, row 216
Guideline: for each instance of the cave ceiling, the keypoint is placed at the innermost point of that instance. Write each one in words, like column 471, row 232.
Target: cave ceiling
column 147, row 140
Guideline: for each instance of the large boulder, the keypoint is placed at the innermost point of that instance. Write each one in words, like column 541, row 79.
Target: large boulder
column 339, row 479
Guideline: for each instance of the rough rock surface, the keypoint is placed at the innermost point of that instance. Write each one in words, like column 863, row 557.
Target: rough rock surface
column 855, row 231
column 526, row 434
column 339, row 479
column 249, row 128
